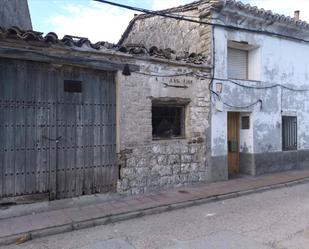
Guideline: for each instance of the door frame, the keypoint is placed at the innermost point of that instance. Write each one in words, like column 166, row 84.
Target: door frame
column 233, row 142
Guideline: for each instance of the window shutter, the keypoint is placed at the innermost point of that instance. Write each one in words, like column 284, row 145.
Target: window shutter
column 237, row 61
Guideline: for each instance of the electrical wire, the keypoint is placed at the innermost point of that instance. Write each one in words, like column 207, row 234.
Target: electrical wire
column 235, row 106
column 183, row 18
column 226, row 80
column 246, row 106
column 165, row 76
column 261, row 87
column 210, row 87
column 177, row 17
column 268, row 87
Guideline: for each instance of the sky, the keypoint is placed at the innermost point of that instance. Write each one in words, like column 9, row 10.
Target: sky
column 101, row 22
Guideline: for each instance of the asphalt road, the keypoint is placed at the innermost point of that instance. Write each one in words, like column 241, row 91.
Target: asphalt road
column 275, row 219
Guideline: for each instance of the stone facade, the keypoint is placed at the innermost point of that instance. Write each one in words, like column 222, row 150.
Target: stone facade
column 162, row 164
column 146, row 164
column 175, row 34
column 276, row 49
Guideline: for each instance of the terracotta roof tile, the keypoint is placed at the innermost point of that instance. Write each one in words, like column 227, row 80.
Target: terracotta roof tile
column 265, row 13
column 73, row 41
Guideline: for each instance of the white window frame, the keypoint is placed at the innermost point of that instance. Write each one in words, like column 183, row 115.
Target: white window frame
column 253, row 60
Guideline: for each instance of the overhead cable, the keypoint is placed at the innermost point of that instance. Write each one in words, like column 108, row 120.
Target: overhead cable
column 182, row 18
column 226, row 80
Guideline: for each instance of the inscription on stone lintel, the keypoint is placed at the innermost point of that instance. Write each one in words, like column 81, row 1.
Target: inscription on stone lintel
column 175, row 81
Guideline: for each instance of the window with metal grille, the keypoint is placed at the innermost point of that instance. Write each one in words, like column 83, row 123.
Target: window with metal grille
column 245, row 122
column 289, row 133
column 167, row 121
column 237, row 63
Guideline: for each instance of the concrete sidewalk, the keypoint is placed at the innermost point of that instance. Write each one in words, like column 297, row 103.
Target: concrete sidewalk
column 77, row 213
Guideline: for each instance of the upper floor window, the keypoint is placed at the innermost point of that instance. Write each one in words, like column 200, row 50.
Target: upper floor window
column 237, row 61
column 243, row 61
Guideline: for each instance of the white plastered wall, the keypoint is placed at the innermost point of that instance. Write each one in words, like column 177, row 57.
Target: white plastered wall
column 276, row 61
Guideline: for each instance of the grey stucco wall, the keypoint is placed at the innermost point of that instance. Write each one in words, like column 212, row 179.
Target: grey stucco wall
column 263, row 163
column 15, row 13
column 279, row 62
column 147, row 164
column 170, row 33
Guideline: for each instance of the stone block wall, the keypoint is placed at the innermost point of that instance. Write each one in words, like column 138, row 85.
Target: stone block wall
column 162, row 164
column 178, row 35
column 148, row 165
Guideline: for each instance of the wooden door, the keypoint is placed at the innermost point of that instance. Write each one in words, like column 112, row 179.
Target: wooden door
column 27, row 121
column 54, row 140
column 86, row 128
column 233, row 142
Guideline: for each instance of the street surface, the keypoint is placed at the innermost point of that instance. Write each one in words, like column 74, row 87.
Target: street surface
column 277, row 219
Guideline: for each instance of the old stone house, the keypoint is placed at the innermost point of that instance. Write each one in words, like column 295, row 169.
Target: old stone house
column 258, row 117
column 76, row 117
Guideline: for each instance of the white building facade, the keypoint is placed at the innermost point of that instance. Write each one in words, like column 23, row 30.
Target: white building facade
column 263, row 85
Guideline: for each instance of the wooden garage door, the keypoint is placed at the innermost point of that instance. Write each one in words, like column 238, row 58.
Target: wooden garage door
column 57, row 130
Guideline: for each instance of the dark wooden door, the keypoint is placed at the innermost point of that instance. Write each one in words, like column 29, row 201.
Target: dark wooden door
column 233, row 142
column 27, row 118
column 52, row 140
column 86, row 132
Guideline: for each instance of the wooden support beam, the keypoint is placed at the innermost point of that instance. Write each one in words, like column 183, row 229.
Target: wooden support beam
column 73, row 60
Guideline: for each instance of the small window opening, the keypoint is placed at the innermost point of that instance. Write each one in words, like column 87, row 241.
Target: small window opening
column 289, row 133
column 73, row 86
column 237, row 63
column 167, row 121
column 245, row 122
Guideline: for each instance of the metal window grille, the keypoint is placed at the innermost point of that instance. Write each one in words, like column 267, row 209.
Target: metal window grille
column 245, row 122
column 167, row 121
column 289, row 133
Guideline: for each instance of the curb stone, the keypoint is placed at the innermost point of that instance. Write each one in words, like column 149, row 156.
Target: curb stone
column 246, row 192
column 262, row 189
column 51, row 231
column 12, row 239
column 107, row 219
column 280, row 185
column 226, row 196
column 83, row 224
column 289, row 184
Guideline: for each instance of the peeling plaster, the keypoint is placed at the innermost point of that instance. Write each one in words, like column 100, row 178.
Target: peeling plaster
column 282, row 62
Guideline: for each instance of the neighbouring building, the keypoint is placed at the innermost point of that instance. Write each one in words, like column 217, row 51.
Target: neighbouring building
column 259, row 112
column 15, row 13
